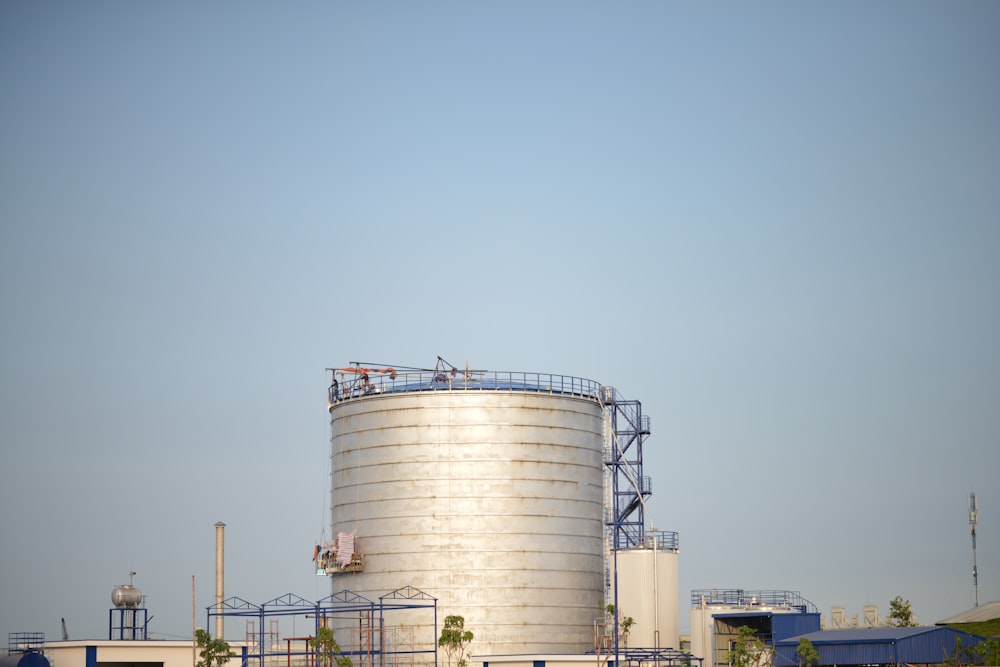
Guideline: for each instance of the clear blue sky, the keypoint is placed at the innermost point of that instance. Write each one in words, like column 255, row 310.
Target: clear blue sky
column 776, row 224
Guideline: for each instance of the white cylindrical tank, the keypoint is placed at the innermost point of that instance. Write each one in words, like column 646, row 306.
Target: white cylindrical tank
column 703, row 631
column 489, row 500
column 647, row 592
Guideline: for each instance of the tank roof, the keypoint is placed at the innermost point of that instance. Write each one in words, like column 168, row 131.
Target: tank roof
column 357, row 382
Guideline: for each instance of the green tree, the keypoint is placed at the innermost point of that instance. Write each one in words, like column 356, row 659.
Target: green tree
column 983, row 653
column 748, row 649
column 987, row 652
column 624, row 622
column 328, row 650
column 213, row 652
column 807, row 653
column 455, row 640
column 900, row 613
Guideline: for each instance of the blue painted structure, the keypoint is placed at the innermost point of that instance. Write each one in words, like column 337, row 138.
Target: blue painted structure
column 128, row 623
column 877, row 646
column 26, row 659
column 770, row 627
column 345, row 603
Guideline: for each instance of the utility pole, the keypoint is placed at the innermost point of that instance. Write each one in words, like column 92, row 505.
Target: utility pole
column 973, row 520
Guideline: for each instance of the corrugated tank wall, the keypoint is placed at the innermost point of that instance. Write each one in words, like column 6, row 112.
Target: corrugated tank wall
column 490, row 501
column 647, row 592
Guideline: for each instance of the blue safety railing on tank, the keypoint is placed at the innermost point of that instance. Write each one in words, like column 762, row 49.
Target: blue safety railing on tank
column 664, row 540
column 661, row 540
column 352, row 385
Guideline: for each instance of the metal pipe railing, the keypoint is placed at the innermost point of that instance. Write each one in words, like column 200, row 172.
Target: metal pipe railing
column 353, row 385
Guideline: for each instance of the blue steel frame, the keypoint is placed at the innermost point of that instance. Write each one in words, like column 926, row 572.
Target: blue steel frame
column 627, row 517
column 664, row 656
column 339, row 604
column 630, row 487
column 129, row 625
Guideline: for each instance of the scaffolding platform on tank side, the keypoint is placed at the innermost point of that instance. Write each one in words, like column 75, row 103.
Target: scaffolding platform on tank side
column 368, row 651
column 360, row 380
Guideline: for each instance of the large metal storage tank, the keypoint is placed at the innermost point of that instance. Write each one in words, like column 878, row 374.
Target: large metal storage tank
column 487, row 497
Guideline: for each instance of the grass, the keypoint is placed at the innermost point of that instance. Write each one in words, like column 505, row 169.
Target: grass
column 982, row 628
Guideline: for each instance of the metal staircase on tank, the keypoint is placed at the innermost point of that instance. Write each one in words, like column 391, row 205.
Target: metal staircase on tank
column 623, row 457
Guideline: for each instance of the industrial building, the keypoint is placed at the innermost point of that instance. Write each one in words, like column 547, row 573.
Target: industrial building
column 716, row 616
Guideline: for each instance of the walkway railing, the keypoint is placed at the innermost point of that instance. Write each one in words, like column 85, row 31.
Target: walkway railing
column 349, row 386
column 738, row 597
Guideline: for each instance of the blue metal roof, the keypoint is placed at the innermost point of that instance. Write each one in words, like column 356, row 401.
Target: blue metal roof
column 782, row 624
column 788, row 625
column 922, row 645
column 865, row 635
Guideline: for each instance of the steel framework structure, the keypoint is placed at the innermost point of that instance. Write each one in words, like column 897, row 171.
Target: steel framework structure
column 22, row 642
column 128, row 623
column 623, row 456
column 625, row 519
column 369, row 651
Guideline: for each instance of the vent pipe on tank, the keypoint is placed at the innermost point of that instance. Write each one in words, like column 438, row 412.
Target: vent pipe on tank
column 220, row 541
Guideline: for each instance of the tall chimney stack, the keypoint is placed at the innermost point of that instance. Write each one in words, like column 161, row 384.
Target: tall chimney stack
column 220, row 572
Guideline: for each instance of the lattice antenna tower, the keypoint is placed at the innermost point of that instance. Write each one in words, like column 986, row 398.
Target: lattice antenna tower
column 973, row 520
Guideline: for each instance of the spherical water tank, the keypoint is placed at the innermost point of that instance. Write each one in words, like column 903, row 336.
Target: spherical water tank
column 127, row 596
column 489, row 500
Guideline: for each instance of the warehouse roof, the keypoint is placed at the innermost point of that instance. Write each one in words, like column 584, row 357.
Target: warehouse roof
column 986, row 612
column 866, row 635
column 926, row 644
